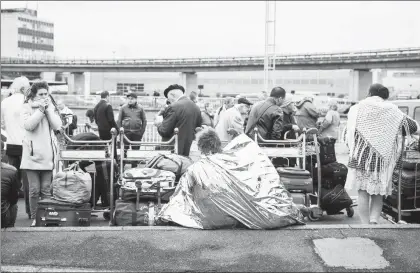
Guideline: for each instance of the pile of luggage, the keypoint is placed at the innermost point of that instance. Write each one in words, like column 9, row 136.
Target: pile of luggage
column 70, row 203
column 410, row 188
column 334, row 197
column 144, row 190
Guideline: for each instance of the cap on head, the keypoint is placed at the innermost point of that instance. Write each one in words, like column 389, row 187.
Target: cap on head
column 173, row 87
column 132, row 95
column 244, row 101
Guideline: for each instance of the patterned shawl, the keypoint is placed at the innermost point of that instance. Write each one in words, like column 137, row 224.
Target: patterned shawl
column 372, row 132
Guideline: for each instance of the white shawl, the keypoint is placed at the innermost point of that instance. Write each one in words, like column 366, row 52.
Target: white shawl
column 376, row 124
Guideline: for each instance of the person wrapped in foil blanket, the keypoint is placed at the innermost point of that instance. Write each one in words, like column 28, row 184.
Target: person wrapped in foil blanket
column 235, row 187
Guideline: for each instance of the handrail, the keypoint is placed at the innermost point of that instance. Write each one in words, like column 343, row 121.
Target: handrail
column 314, row 55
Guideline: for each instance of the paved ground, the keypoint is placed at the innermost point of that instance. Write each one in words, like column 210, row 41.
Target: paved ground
column 181, row 250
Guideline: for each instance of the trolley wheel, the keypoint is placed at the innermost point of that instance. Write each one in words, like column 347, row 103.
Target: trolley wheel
column 313, row 218
column 315, row 214
column 350, row 212
column 107, row 215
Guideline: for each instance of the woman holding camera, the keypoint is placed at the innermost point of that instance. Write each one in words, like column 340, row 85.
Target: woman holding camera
column 39, row 120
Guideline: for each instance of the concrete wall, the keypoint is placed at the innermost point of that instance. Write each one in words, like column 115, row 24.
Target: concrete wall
column 9, row 35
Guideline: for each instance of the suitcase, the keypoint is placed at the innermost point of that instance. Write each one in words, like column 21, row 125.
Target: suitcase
column 299, row 198
column 127, row 213
column 335, row 200
column 55, row 213
column 327, row 150
column 332, row 174
column 295, row 179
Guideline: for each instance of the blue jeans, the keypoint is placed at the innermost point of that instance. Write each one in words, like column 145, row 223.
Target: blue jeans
column 39, row 186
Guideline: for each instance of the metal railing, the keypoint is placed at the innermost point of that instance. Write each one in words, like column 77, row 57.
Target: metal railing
column 403, row 53
column 151, row 134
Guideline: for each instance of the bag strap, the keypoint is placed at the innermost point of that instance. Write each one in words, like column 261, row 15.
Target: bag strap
column 179, row 165
column 256, row 121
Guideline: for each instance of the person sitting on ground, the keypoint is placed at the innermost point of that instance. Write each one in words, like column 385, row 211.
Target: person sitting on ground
column 330, row 126
column 209, row 142
column 231, row 123
column 10, row 185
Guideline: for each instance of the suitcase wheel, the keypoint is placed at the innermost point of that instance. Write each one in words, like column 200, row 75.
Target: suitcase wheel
column 350, row 212
column 315, row 214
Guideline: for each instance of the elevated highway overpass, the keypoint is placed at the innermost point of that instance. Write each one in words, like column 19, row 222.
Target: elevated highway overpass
column 360, row 63
column 361, row 60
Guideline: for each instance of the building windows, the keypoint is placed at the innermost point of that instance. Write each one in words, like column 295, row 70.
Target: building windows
column 123, row 88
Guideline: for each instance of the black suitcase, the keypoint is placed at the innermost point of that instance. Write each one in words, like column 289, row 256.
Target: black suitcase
column 54, row 213
column 335, row 200
column 327, row 150
column 295, row 179
column 332, row 174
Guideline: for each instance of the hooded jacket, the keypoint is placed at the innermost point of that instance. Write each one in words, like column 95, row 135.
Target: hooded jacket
column 38, row 148
column 306, row 114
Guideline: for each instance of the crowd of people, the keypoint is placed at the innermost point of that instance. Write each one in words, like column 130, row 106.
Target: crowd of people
column 30, row 117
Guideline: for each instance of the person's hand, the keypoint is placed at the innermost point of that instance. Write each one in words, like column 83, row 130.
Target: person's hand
column 158, row 121
column 295, row 127
column 42, row 105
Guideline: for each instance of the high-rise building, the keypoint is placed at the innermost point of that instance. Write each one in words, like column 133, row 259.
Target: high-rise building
column 24, row 35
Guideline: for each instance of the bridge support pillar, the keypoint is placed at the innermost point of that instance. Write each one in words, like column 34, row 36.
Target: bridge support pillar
column 48, row 76
column 79, row 83
column 360, row 80
column 189, row 81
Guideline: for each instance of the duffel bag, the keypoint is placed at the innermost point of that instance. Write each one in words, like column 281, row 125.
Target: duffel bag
column 148, row 177
column 72, row 185
column 177, row 164
column 131, row 195
column 327, row 150
column 126, row 213
column 335, row 200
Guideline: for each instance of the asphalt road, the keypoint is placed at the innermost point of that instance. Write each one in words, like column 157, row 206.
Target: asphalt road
column 205, row 251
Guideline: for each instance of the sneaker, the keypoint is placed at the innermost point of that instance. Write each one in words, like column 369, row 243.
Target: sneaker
column 33, row 223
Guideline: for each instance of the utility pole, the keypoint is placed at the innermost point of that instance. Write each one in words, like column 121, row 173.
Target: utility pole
column 270, row 45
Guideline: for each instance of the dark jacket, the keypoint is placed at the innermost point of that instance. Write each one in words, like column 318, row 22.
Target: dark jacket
column 287, row 125
column 306, row 114
column 207, row 119
column 10, row 185
column 184, row 115
column 132, row 119
column 104, row 116
column 264, row 116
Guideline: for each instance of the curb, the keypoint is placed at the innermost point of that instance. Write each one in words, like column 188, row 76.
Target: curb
column 165, row 228
column 30, row 268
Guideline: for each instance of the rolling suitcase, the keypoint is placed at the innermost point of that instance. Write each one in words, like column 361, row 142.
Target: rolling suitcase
column 51, row 212
column 128, row 213
column 332, row 174
column 296, row 179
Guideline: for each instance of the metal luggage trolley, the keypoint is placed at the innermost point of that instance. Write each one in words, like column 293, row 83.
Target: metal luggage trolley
column 146, row 151
column 408, row 157
column 297, row 148
column 100, row 150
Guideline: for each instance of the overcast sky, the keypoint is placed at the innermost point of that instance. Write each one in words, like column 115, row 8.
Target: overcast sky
column 222, row 28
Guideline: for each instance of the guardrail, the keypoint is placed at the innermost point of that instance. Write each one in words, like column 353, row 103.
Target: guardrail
column 375, row 54
column 151, row 134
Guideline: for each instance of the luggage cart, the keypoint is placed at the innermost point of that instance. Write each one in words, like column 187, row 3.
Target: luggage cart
column 145, row 152
column 101, row 150
column 295, row 148
column 409, row 157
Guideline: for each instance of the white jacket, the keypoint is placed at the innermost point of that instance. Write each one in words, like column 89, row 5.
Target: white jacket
column 11, row 108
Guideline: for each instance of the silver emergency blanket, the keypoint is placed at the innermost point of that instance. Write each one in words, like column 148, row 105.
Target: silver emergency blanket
column 238, row 186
